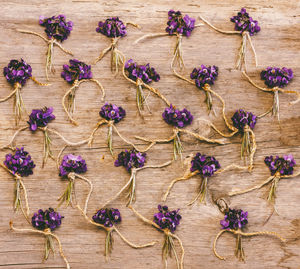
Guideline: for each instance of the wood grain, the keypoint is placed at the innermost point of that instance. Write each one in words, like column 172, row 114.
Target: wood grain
column 277, row 44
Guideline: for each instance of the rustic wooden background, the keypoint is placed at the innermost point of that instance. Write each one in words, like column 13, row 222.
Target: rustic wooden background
column 277, row 44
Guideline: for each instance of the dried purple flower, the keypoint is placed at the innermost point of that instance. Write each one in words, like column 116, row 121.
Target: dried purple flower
column 17, row 72
column 242, row 118
column 56, row 27
column 112, row 112
column 206, row 165
column 282, row 165
column 72, row 163
column 243, row 22
column 76, row 71
column 131, row 159
column 177, row 118
column 107, row 217
column 48, row 219
column 166, row 219
column 19, row 163
column 40, row 118
column 276, row 77
column 112, row 27
column 204, row 75
column 177, row 24
column 234, row 219
column 145, row 73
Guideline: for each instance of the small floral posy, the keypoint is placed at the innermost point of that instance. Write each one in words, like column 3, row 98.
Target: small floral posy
column 20, row 165
column 107, row 219
column 45, row 222
column 114, row 29
column 142, row 76
column 133, row 161
column 76, row 73
column 111, row 114
column 39, row 120
column 17, row 73
column 71, row 167
column 204, row 76
column 166, row 221
column 276, row 79
column 178, row 119
column 245, row 26
column 179, row 26
column 280, row 168
column 57, row 29
column 234, row 222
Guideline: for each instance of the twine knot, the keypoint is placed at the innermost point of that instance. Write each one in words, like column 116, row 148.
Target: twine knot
column 76, row 83
column 47, row 231
column 275, row 89
column 110, row 123
column 71, row 176
column 247, row 128
column 206, row 87
column 114, row 42
column 139, row 82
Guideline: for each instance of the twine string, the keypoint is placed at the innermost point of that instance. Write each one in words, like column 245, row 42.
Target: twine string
column 217, row 29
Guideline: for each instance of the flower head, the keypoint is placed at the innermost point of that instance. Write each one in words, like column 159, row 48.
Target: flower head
column 56, row 27
column 234, row 219
column 72, row 163
column 131, row 159
column 20, row 162
column 17, row 72
column 243, row 22
column 112, row 112
column 176, row 117
column 166, row 219
column 204, row 75
column 206, row 165
column 107, row 217
column 76, row 71
column 40, row 118
column 112, row 27
column 48, row 219
column 242, row 118
column 143, row 72
column 177, row 24
column 282, row 165
column 276, row 77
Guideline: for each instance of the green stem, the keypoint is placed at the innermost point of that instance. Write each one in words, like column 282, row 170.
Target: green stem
column 49, row 67
column 239, row 251
column 275, row 108
column 67, row 195
column 167, row 249
column 49, row 246
column 17, row 202
column 47, row 148
column 109, row 140
column 246, row 146
column 19, row 106
column 242, row 51
column 202, row 193
column 71, row 101
column 272, row 192
column 177, row 147
column 208, row 101
column 131, row 191
column 108, row 243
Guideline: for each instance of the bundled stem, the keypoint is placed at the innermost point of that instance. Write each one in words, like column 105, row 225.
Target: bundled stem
column 130, row 186
column 19, row 186
column 168, row 245
column 239, row 252
column 70, row 190
column 202, row 192
column 68, row 100
column 49, row 246
column 50, row 42
column 275, row 107
column 46, row 233
column 109, row 239
column 177, row 147
column 47, row 147
column 203, row 186
column 112, row 127
column 177, row 56
column 242, row 51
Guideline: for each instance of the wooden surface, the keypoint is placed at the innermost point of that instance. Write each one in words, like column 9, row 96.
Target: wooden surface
column 277, row 44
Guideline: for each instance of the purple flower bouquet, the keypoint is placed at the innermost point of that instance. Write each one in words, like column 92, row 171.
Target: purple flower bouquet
column 76, row 73
column 57, row 29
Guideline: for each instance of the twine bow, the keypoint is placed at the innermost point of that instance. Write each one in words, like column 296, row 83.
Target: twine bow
column 68, row 100
column 131, row 184
column 47, row 233
column 239, row 252
column 51, row 42
column 109, row 239
column 168, row 245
